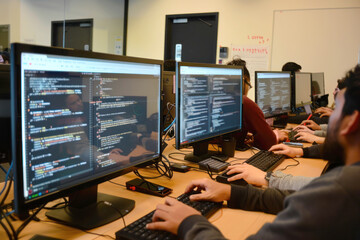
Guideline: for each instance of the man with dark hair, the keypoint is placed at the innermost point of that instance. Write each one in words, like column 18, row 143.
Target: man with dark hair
column 327, row 208
column 291, row 67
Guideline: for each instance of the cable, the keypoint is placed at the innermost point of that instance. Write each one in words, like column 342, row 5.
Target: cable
column 174, row 153
column 56, row 206
column 27, row 221
column 182, row 150
column 162, row 167
column 167, row 132
column 291, row 165
column 8, row 222
column 6, row 230
column 169, row 111
column 119, row 211
column 169, row 125
column 3, row 169
column 2, row 204
column 6, row 177
column 210, row 172
column 197, row 169
column 6, row 193
column 97, row 234
column 117, row 184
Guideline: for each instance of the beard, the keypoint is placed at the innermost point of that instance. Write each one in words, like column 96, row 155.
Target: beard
column 332, row 150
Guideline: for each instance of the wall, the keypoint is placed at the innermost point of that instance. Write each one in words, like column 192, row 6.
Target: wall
column 36, row 17
column 10, row 15
column 319, row 41
column 239, row 21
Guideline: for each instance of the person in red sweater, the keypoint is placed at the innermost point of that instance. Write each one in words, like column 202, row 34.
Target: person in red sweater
column 253, row 118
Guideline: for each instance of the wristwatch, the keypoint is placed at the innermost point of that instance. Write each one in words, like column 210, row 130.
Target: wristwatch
column 267, row 176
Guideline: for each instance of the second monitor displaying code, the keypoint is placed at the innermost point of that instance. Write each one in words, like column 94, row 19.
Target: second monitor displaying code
column 273, row 92
column 210, row 102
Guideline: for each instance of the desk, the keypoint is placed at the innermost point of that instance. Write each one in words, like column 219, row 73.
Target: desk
column 234, row 223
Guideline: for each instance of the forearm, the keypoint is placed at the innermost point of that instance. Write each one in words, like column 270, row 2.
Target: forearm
column 254, row 199
column 284, row 181
column 320, row 133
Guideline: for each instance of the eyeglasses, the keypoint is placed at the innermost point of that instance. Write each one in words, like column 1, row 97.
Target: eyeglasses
column 249, row 84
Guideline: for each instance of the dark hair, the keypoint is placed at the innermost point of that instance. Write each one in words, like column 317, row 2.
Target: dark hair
column 291, row 67
column 352, row 93
column 242, row 63
column 341, row 83
column 169, row 65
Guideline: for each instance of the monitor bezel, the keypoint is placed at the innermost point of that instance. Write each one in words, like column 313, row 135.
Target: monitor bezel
column 323, row 83
column 5, row 68
column 256, row 91
column 21, row 204
column 178, row 121
column 310, row 94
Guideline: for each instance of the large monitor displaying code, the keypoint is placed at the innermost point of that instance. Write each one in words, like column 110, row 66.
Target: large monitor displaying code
column 209, row 101
column 273, row 92
column 83, row 118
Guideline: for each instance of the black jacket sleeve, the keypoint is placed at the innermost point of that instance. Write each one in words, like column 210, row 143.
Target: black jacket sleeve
column 251, row 198
column 313, row 151
column 198, row 227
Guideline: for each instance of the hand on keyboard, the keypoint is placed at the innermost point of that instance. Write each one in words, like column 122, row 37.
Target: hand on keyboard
column 249, row 173
column 286, row 150
column 169, row 216
column 166, row 217
column 210, row 190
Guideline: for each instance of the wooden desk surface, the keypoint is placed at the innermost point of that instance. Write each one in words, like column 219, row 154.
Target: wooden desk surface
column 234, row 223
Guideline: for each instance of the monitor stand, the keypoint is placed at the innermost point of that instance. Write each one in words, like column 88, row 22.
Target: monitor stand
column 89, row 209
column 201, row 152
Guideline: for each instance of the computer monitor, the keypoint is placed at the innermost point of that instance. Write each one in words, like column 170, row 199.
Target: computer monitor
column 302, row 89
column 81, row 118
column 208, row 104
column 317, row 83
column 5, row 125
column 273, row 92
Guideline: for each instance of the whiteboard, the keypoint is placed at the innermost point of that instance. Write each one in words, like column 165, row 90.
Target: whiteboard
column 320, row 40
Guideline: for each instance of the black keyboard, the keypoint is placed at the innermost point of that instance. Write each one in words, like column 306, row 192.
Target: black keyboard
column 213, row 165
column 137, row 229
column 265, row 160
column 292, row 138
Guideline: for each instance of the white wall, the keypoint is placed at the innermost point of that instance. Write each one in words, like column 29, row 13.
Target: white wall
column 10, row 15
column 36, row 17
column 324, row 40
column 238, row 19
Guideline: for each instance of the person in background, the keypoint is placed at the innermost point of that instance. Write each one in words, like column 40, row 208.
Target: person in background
column 319, row 130
column 253, row 118
column 326, row 208
column 291, row 67
column 326, row 111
